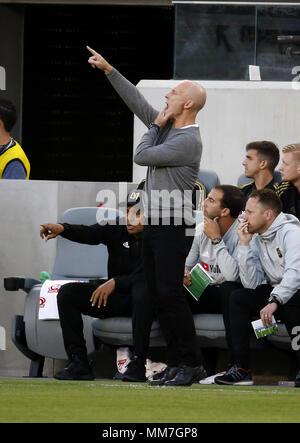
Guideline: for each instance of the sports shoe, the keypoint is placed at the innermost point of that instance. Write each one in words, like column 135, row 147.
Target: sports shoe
column 153, row 368
column 123, row 358
column 136, row 370
column 211, row 379
column 76, row 370
column 168, row 374
column 235, row 376
column 187, row 375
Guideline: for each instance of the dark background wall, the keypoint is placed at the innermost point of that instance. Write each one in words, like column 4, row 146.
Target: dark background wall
column 75, row 127
column 11, row 58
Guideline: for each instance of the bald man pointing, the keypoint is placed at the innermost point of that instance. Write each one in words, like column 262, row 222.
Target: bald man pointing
column 171, row 149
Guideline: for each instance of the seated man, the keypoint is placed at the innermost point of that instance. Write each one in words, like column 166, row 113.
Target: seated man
column 123, row 294
column 13, row 161
column 273, row 254
column 262, row 157
column 289, row 189
column 215, row 247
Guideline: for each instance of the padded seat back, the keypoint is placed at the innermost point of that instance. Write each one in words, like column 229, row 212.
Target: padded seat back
column 208, row 178
column 75, row 260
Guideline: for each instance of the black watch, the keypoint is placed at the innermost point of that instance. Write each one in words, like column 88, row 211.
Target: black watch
column 273, row 299
column 216, row 241
column 153, row 125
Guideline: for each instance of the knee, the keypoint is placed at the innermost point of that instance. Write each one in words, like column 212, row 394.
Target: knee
column 66, row 294
column 238, row 297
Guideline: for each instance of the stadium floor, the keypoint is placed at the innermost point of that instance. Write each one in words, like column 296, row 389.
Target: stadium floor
column 25, row 400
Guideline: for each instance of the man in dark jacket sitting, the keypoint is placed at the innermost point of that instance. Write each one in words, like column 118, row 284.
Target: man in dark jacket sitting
column 124, row 293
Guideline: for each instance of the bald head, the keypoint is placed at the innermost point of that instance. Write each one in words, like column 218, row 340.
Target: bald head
column 195, row 93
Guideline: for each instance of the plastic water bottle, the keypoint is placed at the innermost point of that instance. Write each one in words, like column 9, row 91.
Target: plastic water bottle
column 44, row 275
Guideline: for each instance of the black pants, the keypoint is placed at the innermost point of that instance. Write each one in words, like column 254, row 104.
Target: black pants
column 73, row 299
column 215, row 299
column 165, row 249
column 246, row 304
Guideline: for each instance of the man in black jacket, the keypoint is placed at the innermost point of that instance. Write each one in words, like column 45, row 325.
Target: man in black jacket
column 123, row 294
column 289, row 189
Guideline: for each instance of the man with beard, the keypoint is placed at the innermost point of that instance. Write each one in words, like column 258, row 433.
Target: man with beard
column 215, row 247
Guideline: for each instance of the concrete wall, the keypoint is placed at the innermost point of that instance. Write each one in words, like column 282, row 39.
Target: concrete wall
column 23, row 206
column 235, row 114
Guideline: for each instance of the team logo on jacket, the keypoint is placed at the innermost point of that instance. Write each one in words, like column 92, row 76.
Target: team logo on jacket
column 279, row 253
column 126, row 245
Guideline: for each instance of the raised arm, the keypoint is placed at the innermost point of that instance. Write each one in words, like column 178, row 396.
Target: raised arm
column 135, row 101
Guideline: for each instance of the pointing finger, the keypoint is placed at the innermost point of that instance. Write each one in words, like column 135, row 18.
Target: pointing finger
column 91, row 50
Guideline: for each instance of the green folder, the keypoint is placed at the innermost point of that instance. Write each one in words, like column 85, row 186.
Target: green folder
column 200, row 280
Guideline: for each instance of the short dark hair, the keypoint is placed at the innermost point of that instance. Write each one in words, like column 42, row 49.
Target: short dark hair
column 268, row 198
column 233, row 199
column 267, row 151
column 8, row 114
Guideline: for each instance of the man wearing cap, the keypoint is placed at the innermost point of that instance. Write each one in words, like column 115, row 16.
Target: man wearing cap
column 123, row 294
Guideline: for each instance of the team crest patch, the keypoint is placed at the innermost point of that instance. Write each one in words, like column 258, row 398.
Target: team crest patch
column 279, row 253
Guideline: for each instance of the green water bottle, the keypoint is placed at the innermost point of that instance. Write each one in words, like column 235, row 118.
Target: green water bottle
column 44, row 275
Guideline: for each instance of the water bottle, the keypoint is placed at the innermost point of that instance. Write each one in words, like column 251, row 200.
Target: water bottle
column 44, row 275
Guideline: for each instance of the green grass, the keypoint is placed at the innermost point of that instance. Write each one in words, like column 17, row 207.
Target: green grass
column 52, row 401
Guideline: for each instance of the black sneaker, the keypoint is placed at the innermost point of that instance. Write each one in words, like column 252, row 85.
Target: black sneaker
column 135, row 371
column 168, row 374
column 159, row 375
column 76, row 370
column 235, row 376
column 297, row 380
column 187, row 375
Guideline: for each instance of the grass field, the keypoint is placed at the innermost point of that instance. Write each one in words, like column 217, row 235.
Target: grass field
column 52, row 401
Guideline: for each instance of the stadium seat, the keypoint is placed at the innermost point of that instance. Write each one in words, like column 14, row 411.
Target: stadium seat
column 208, row 178
column 243, row 180
column 38, row 339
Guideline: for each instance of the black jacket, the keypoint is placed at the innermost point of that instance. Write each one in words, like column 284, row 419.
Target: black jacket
column 124, row 250
column 248, row 188
column 290, row 198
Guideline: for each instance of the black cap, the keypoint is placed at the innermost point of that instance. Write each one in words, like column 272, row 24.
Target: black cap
column 135, row 196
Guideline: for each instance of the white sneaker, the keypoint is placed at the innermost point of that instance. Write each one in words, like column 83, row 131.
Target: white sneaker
column 123, row 358
column 153, row 368
column 211, row 380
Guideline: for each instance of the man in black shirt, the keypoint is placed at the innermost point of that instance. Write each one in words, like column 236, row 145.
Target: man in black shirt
column 123, row 294
column 289, row 189
column 261, row 160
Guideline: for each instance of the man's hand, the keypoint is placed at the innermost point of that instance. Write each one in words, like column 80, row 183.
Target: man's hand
column 243, row 234
column 211, row 227
column 97, row 61
column 163, row 117
column 187, row 277
column 101, row 294
column 266, row 314
column 51, row 230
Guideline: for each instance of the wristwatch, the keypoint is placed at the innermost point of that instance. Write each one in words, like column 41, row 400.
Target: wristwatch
column 274, row 299
column 216, row 241
column 153, row 125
